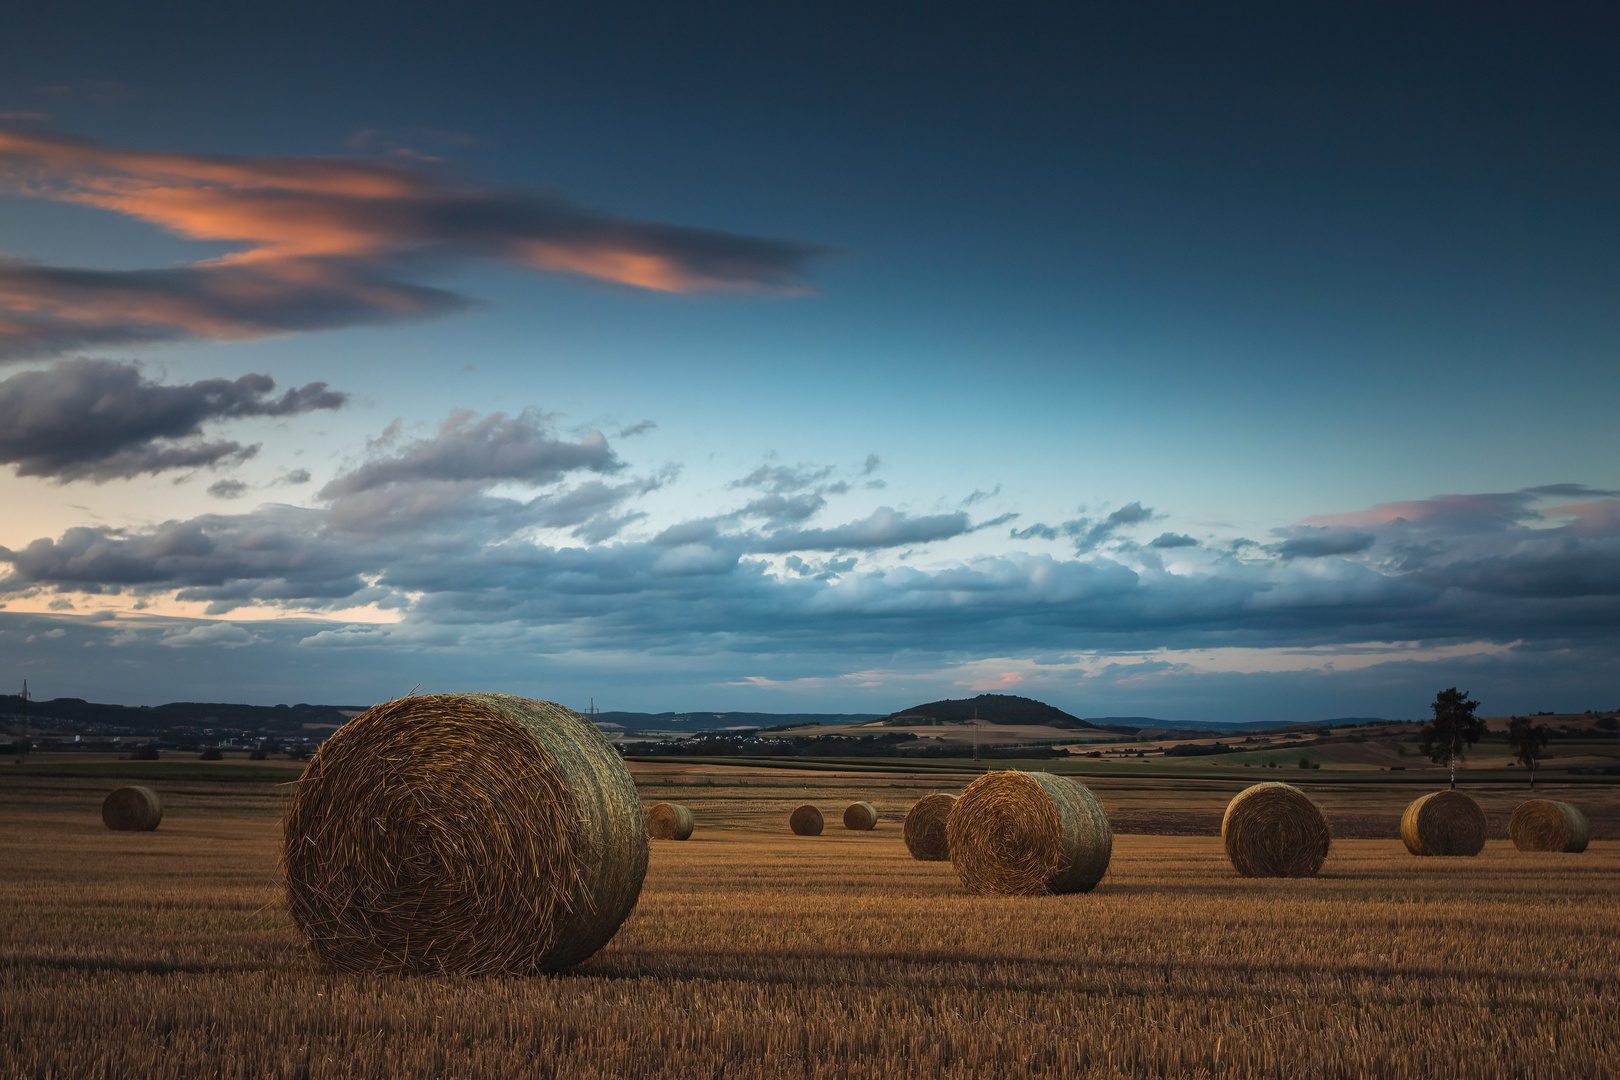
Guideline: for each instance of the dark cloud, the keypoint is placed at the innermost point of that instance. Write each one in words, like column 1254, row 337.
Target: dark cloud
column 1572, row 491
column 784, row 479
column 1172, row 540
column 46, row 311
column 1089, row 534
column 100, row 420
column 1318, row 542
column 883, row 528
column 494, row 448
column 793, row 493
column 227, row 489
column 784, row 509
column 1037, row 531
column 324, row 243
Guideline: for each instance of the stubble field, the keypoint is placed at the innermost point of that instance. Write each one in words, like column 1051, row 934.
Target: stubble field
column 754, row 953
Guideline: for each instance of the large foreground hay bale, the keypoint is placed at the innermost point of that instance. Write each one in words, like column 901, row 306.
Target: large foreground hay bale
column 669, row 821
column 1274, row 830
column 1545, row 825
column 1026, row 834
column 463, row 834
column 806, row 821
column 860, row 816
column 1443, row 823
column 925, row 828
column 132, row 809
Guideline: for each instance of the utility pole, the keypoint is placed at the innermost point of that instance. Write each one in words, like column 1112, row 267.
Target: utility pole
column 975, row 733
column 22, row 747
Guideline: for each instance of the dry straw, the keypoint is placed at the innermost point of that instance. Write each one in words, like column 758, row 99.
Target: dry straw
column 860, row 816
column 463, row 834
column 1545, row 825
column 1443, row 823
column 132, row 809
column 925, row 828
column 806, row 821
column 1275, row 830
column 1027, row 834
column 669, row 821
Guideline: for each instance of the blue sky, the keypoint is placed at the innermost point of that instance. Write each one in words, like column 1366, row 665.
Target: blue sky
column 1158, row 361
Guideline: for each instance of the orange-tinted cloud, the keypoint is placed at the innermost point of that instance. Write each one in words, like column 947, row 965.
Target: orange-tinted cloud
column 1601, row 517
column 324, row 242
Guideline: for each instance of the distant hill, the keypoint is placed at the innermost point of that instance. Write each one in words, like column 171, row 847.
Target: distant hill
column 76, row 714
column 721, row 721
column 1132, row 723
column 990, row 709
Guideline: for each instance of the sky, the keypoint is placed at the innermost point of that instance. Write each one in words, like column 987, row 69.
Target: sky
column 1210, row 364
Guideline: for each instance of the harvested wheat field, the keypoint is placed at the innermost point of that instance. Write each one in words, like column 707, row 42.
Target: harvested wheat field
column 755, row 954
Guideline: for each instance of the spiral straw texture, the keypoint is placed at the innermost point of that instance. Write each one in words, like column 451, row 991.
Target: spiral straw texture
column 806, row 821
column 1027, row 834
column 132, row 809
column 1443, row 823
column 1275, row 830
column 463, row 834
column 669, row 821
column 860, row 816
column 1545, row 825
column 925, row 828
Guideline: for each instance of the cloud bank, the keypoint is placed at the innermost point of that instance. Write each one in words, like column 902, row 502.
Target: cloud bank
column 324, row 243
column 100, row 420
column 430, row 528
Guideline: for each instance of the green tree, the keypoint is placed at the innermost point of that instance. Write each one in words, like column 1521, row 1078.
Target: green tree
column 1527, row 739
column 1446, row 739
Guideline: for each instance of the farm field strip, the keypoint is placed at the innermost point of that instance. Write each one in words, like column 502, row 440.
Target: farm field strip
column 756, row 953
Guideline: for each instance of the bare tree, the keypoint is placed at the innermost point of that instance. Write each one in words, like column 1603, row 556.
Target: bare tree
column 1446, row 738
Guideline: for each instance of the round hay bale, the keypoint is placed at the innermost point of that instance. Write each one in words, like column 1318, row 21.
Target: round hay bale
column 463, row 834
column 1443, row 823
column 132, row 809
column 1275, row 830
column 806, row 821
column 925, row 828
column 1545, row 825
column 669, row 821
column 860, row 816
column 1028, row 834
